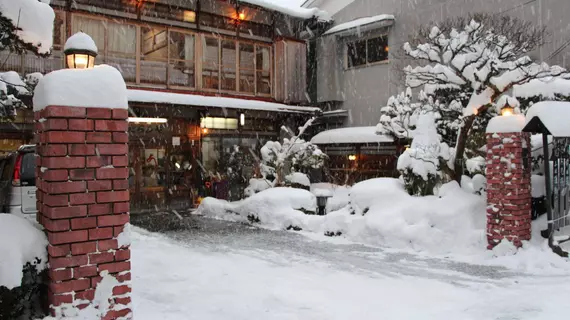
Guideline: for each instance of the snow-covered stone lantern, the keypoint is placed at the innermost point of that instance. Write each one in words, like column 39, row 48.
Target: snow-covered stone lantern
column 80, row 51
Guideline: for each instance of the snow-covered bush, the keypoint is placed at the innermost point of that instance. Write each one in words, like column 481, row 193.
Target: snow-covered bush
column 469, row 64
column 420, row 165
column 293, row 154
column 451, row 221
column 275, row 208
column 23, row 248
column 25, row 26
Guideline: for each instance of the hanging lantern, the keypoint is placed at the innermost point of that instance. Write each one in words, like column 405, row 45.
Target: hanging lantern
column 80, row 51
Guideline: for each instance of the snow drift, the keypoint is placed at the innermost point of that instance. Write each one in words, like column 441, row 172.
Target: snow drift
column 380, row 212
column 21, row 242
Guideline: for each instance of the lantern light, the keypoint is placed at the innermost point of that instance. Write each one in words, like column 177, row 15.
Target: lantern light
column 80, row 51
column 507, row 110
column 242, row 119
column 241, row 15
column 352, row 157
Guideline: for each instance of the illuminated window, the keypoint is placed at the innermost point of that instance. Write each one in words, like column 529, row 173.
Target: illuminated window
column 219, row 123
column 189, row 16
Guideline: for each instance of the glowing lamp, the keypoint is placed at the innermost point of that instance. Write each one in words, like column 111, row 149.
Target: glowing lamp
column 507, row 110
column 205, row 131
column 80, row 51
column 352, row 157
column 242, row 119
column 241, row 16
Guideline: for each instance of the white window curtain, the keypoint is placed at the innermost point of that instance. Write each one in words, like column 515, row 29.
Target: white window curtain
column 93, row 27
column 122, row 38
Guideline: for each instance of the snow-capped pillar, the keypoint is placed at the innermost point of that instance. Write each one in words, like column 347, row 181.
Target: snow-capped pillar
column 83, row 197
column 508, row 181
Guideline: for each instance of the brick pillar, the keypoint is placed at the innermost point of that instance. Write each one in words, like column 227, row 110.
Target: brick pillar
column 83, row 203
column 508, row 188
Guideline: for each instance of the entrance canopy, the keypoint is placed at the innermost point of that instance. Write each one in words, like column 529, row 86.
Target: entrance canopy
column 549, row 117
column 353, row 135
column 147, row 96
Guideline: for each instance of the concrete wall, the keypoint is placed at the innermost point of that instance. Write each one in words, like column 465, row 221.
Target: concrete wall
column 365, row 90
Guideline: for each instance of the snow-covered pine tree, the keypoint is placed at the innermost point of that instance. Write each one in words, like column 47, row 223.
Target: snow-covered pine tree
column 471, row 62
column 25, row 26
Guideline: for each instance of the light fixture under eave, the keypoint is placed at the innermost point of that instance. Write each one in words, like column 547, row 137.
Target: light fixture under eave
column 241, row 15
column 148, row 120
column 242, row 119
column 352, row 157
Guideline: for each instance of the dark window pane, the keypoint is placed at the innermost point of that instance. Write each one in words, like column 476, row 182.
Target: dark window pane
column 356, row 53
column 377, row 49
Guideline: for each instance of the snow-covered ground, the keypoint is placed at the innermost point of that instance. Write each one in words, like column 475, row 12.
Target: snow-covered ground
column 223, row 270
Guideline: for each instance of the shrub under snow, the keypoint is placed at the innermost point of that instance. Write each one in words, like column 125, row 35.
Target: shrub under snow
column 20, row 242
column 380, row 212
column 275, row 208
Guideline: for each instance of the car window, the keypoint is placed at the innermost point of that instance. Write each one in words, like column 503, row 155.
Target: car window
column 28, row 170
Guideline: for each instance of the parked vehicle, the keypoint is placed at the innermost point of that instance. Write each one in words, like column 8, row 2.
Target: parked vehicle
column 18, row 181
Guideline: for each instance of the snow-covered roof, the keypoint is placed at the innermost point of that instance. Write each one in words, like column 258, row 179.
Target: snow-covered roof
column 147, row 96
column 360, row 23
column 80, row 41
column 554, row 115
column 547, row 88
column 330, row 6
column 505, row 124
column 99, row 87
column 34, row 18
column 351, row 135
column 291, row 9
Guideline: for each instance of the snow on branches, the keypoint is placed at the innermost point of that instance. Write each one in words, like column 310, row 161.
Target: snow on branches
column 471, row 62
column 25, row 25
column 298, row 154
column 477, row 56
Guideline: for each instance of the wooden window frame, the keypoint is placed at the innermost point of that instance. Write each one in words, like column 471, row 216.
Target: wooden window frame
column 198, row 56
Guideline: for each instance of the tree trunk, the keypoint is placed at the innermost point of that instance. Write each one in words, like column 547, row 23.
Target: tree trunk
column 461, row 143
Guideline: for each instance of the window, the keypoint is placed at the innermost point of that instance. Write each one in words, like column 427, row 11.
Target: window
column 121, row 49
column 154, row 55
column 219, row 123
column 210, row 63
column 59, row 30
column 246, row 68
column 262, row 68
column 181, row 63
column 94, row 28
column 367, row 51
column 229, row 57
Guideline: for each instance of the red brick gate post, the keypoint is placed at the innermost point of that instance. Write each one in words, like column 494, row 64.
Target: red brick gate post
column 83, row 196
column 508, row 181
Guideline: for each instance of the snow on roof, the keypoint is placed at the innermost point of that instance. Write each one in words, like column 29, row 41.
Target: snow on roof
column 34, row 18
column 504, row 124
column 554, row 115
column 291, row 9
column 209, row 101
column 359, row 23
column 548, row 88
column 99, row 87
column 80, row 41
column 351, row 135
